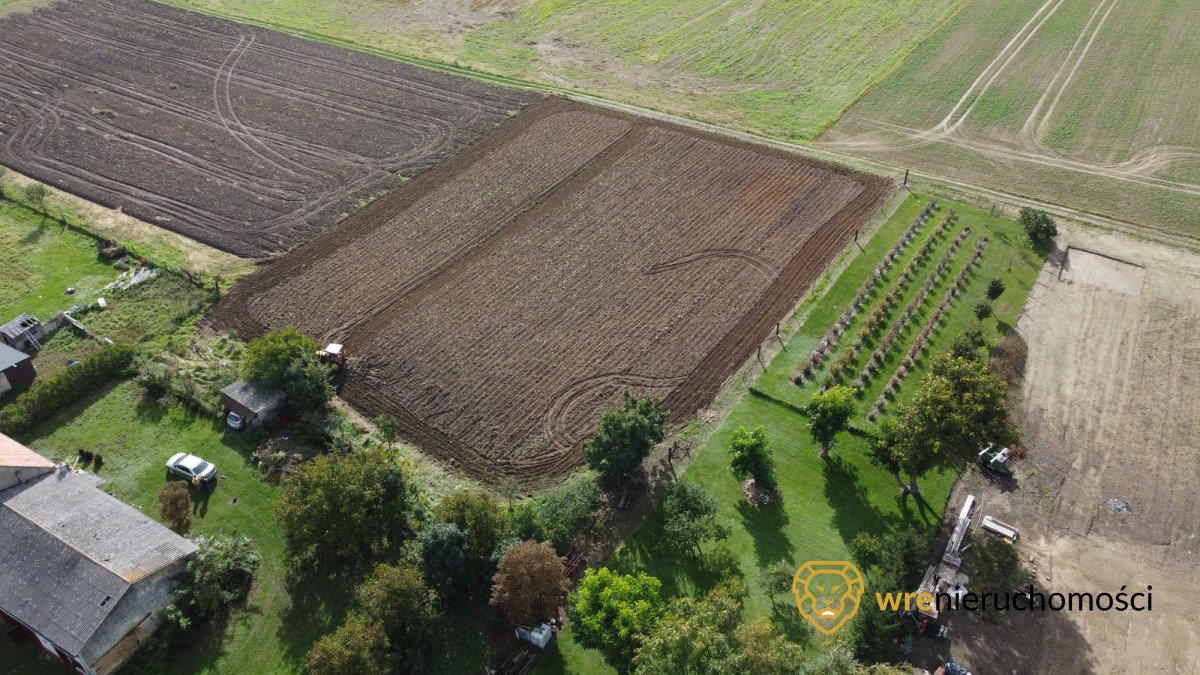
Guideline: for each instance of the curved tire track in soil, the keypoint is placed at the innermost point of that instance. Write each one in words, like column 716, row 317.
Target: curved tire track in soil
column 496, row 305
column 242, row 138
column 555, row 425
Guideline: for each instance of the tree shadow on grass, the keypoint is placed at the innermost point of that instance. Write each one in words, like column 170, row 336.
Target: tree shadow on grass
column 319, row 605
column 853, row 512
column 680, row 574
column 766, row 525
column 149, row 408
column 67, row 414
column 906, row 503
column 786, row 617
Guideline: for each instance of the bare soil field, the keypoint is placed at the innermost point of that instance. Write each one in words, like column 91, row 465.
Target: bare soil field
column 244, row 139
column 497, row 304
column 1109, row 494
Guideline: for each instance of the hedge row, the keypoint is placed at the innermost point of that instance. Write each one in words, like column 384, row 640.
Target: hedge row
column 51, row 395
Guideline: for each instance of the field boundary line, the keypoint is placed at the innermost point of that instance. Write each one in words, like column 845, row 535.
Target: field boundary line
column 891, row 70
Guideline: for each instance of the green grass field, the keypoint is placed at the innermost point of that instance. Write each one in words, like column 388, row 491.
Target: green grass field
column 142, row 315
column 776, row 67
column 823, row 505
column 1040, row 114
column 43, row 259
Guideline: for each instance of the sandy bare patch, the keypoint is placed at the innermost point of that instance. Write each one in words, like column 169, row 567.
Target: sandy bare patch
column 1102, row 271
column 1108, row 494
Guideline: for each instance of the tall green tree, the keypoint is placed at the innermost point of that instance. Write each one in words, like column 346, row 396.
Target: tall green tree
column 358, row 647
column 344, row 510
column 777, row 579
column 306, row 383
column 445, row 558
column 614, row 612
column 624, row 437
column 689, row 517
column 883, row 449
column 983, row 309
column 219, row 574
column 389, row 430
column 396, row 597
column 960, row 407
column 829, row 414
column 751, row 450
column 1038, row 225
column 481, row 518
column 694, row 636
column 563, row 510
column 266, row 359
column 995, row 289
column 765, row 652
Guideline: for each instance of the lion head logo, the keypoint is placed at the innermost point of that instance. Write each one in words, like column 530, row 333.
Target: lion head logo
column 828, row 593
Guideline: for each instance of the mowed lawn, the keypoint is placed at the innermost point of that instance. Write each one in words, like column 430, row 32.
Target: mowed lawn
column 777, row 67
column 1032, row 84
column 823, row 505
column 135, row 436
column 42, row 258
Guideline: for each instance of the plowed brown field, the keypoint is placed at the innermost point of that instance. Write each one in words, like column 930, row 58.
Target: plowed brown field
column 245, row 139
column 498, row 303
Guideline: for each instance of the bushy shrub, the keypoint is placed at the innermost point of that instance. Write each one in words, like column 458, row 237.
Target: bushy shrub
column 1038, row 225
column 689, row 517
column 445, row 558
column 564, row 509
column 268, row 358
column 175, row 506
column 220, row 574
column 55, row 393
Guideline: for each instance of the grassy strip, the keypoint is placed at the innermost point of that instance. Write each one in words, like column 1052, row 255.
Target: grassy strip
column 161, row 247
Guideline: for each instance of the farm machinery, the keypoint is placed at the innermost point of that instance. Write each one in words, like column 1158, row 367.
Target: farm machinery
column 995, row 462
column 333, row 355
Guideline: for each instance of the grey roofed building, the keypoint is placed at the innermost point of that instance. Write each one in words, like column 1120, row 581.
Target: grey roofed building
column 256, row 403
column 10, row 357
column 23, row 332
column 81, row 572
column 16, row 368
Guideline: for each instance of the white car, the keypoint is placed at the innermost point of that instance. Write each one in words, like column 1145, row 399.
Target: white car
column 235, row 421
column 191, row 466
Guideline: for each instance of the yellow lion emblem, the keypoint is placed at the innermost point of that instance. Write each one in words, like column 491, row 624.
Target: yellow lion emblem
column 828, row 593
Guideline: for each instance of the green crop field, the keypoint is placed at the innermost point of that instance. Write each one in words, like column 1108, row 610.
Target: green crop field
column 778, row 67
column 1023, row 96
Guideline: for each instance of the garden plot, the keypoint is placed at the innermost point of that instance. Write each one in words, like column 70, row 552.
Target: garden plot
column 244, row 139
column 498, row 304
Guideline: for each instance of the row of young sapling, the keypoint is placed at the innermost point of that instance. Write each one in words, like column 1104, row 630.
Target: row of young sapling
column 892, row 337
column 828, row 343
column 879, row 317
column 922, row 341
